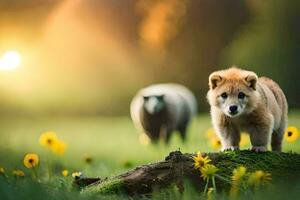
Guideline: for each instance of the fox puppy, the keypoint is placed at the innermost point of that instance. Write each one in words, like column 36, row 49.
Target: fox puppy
column 159, row 110
column 240, row 101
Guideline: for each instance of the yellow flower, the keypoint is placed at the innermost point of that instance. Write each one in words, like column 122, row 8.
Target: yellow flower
column 238, row 174
column 2, row 170
column 65, row 173
column 291, row 134
column 88, row 159
column 200, row 161
column 76, row 175
column 18, row 173
column 259, row 177
column 244, row 139
column 210, row 193
column 208, row 171
column 59, row 147
column 210, row 133
column 31, row 160
column 144, row 139
column 215, row 143
column 48, row 139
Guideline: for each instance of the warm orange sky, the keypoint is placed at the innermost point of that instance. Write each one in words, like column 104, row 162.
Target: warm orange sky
column 91, row 56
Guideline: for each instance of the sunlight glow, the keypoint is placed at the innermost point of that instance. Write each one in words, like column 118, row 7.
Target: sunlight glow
column 10, row 60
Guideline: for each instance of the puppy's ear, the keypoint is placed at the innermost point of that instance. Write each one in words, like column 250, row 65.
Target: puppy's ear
column 251, row 80
column 214, row 79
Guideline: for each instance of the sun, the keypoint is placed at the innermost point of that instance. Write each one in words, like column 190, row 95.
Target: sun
column 10, row 60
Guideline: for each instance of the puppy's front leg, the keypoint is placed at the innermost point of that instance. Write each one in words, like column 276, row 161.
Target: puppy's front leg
column 230, row 138
column 260, row 137
column 260, row 131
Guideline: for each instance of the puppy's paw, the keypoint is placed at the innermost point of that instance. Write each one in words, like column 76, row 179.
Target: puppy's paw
column 231, row 148
column 259, row 149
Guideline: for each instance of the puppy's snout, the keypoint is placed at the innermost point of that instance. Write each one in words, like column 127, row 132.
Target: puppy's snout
column 233, row 109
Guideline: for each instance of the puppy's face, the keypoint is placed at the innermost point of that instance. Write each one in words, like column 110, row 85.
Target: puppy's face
column 232, row 101
column 154, row 104
column 233, row 91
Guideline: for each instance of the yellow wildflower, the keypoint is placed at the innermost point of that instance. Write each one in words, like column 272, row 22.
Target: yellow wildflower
column 48, row 139
column 208, row 171
column 210, row 133
column 18, row 173
column 144, row 139
column 291, row 134
column 2, row 170
column 238, row 174
column 31, row 160
column 259, row 177
column 76, row 175
column 200, row 161
column 65, row 173
column 59, row 147
column 215, row 143
column 88, row 159
column 244, row 139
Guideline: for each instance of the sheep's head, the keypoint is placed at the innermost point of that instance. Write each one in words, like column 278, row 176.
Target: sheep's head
column 154, row 104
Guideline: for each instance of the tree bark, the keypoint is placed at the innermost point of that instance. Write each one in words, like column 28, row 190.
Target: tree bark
column 177, row 169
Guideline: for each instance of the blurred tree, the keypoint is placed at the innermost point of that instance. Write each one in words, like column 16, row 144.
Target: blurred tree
column 270, row 45
column 207, row 28
column 91, row 56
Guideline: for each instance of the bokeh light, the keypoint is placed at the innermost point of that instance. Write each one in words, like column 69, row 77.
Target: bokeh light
column 10, row 60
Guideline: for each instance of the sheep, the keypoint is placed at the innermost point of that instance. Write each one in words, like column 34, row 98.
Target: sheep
column 160, row 109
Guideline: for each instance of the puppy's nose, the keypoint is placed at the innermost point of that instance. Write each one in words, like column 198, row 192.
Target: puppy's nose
column 233, row 109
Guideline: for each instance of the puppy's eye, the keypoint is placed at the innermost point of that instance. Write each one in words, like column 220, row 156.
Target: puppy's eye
column 241, row 95
column 224, row 95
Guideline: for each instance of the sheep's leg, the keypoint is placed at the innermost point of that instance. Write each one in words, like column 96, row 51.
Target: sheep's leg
column 182, row 131
column 165, row 133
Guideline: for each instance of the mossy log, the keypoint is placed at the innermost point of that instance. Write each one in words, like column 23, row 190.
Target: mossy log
column 177, row 168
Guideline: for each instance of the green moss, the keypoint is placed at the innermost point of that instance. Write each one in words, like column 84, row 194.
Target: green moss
column 268, row 161
column 282, row 166
column 110, row 186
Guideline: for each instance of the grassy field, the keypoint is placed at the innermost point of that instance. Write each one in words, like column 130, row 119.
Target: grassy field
column 112, row 143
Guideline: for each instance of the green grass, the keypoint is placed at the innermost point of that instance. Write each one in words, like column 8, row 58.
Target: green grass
column 111, row 142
